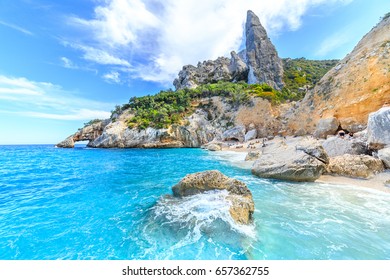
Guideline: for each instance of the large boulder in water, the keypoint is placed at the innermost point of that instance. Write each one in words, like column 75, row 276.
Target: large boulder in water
column 360, row 166
column 296, row 159
column 242, row 205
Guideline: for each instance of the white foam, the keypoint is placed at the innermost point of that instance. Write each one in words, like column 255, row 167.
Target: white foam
column 236, row 159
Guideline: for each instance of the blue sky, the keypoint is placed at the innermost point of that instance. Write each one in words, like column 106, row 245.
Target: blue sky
column 65, row 62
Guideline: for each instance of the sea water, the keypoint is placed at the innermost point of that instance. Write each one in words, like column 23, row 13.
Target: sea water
column 111, row 204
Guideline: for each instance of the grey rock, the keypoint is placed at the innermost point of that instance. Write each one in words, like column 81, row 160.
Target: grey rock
column 297, row 159
column 263, row 61
column 213, row 147
column 212, row 71
column 250, row 135
column 67, row 143
column 242, row 205
column 236, row 134
column 252, row 155
column 326, row 127
column 89, row 133
column 378, row 128
column 360, row 166
column 336, row 146
column 384, row 156
column 351, row 125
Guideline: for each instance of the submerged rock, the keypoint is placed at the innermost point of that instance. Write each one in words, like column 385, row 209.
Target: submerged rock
column 242, row 205
column 299, row 159
column 361, row 166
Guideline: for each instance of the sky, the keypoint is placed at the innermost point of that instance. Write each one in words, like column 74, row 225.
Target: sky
column 63, row 63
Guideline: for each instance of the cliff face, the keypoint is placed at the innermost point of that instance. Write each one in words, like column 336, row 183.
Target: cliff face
column 357, row 86
column 264, row 64
column 212, row 71
column 259, row 63
column 209, row 122
column 343, row 98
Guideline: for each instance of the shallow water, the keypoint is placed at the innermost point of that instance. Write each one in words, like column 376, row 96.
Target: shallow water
column 112, row 204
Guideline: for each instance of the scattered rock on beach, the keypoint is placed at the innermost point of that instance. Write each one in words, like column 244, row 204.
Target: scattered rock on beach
column 213, row 147
column 326, row 127
column 336, row 146
column 298, row 159
column 384, row 155
column 378, row 128
column 242, row 205
column 360, row 166
column 250, row 135
column 252, row 155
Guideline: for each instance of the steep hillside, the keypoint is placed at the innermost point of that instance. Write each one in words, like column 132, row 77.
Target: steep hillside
column 358, row 85
column 301, row 74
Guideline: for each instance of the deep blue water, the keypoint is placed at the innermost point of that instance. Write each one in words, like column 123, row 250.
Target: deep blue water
column 112, row 204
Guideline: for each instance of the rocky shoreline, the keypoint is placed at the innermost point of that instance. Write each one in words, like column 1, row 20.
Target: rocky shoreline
column 340, row 128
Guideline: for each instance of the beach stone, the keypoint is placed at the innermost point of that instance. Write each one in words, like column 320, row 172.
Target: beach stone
column 351, row 125
column 336, row 146
column 296, row 159
column 384, row 156
column 240, row 197
column 252, row 155
column 250, row 135
column 326, row 127
column 360, row 166
column 236, row 134
column 214, row 147
column 378, row 128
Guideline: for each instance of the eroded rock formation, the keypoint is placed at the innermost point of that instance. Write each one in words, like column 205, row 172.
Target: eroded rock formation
column 300, row 159
column 242, row 205
column 263, row 61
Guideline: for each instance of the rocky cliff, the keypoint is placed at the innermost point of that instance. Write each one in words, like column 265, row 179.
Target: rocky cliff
column 211, row 119
column 259, row 63
column 344, row 97
column 263, row 61
column 357, row 86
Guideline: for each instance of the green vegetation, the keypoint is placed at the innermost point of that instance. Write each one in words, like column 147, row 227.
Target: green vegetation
column 170, row 107
column 92, row 122
column 386, row 16
column 301, row 73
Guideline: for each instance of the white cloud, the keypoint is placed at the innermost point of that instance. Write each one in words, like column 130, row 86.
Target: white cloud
column 50, row 101
column 333, row 42
column 17, row 28
column 67, row 63
column 82, row 114
column 112, row 77
column 99, row 56
column 158, row 40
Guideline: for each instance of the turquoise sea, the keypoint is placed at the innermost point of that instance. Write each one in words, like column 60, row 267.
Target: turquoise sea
column 114, row 204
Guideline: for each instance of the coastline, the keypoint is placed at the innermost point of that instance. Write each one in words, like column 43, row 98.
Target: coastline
column 235, row 155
